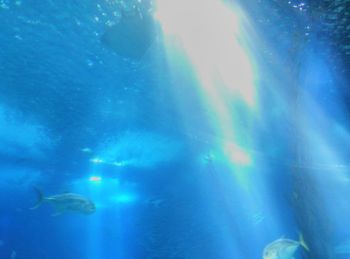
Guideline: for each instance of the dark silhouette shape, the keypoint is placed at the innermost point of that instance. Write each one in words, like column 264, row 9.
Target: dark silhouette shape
column 131, row 37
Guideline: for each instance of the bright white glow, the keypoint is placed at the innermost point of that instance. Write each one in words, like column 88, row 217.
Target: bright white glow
column 185, row 17
column 209, row 33
column 97, row 160
column 95, row 179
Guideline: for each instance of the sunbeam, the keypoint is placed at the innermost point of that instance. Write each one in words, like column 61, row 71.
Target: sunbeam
column 212, row 38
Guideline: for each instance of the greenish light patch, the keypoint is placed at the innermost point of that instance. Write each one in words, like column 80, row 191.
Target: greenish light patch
column 124, row 198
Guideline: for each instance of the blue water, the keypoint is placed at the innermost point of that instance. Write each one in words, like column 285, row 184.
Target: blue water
column 174, row 171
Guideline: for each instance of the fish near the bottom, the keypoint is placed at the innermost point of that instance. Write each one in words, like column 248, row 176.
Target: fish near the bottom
column 66, row 202
column 283, row 248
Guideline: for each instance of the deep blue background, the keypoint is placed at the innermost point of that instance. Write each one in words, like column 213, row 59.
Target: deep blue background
column 62, row 91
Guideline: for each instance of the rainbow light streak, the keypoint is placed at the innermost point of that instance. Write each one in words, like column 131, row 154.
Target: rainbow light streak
column 237, row 154
column 211, row 35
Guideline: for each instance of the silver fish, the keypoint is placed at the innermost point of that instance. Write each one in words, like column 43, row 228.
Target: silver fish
column 283, row 248
column 66, row 202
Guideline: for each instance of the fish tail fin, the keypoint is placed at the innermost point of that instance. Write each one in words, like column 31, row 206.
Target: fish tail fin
column 302, row 242
column 40, row 198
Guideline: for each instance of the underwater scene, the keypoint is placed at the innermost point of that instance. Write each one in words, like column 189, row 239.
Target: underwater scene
column 174, row 129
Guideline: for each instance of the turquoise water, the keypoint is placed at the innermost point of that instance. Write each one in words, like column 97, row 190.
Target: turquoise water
column 197, row 129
